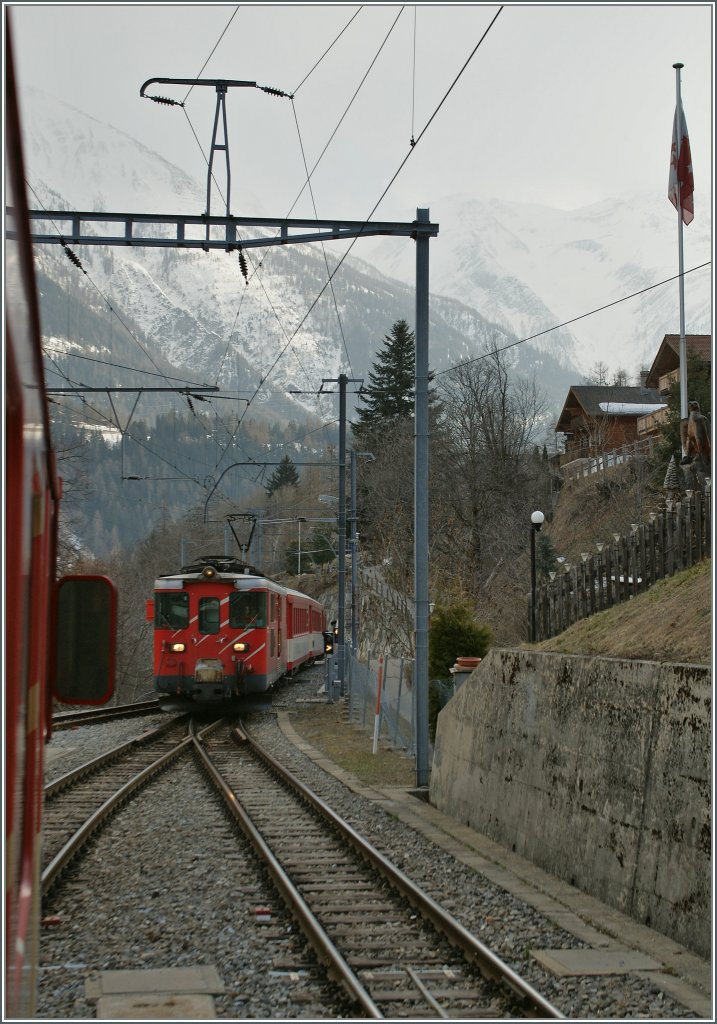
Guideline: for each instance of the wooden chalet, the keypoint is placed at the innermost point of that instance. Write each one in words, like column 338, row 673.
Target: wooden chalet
column 665, row 370
column 602, row 418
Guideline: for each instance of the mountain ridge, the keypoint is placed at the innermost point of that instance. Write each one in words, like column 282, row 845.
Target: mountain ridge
column 486, row 284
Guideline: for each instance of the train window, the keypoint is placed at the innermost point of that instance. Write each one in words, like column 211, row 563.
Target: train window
column 247, row 609
column 208, row 614
column 84, row 640
column 171, row 610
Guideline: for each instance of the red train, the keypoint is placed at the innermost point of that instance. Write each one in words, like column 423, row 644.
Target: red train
column 222, row 631
column 59, row 635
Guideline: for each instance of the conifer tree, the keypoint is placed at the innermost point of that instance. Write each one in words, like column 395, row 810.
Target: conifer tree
column 390, row 394
column 285, row 475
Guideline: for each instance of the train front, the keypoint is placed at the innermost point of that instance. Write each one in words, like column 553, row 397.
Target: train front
column 214, row 639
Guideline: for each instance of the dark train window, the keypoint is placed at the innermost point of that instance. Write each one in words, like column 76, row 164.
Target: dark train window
column 171, row 610
column 208, row 614
column 247, row 609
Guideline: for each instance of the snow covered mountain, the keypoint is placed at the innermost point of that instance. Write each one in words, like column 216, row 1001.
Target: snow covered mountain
column 499, row 272
column 531, row 267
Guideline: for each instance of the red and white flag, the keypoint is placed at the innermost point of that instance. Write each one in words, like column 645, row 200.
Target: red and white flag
column 681, row 185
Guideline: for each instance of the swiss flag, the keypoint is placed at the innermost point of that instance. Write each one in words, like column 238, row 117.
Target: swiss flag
column 681, row 185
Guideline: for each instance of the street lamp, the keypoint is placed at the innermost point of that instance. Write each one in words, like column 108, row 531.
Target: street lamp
column 536, row 521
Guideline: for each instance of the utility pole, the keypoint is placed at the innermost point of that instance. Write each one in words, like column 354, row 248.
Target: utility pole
column 342, row 532
column 421, row 505
column 342, row 381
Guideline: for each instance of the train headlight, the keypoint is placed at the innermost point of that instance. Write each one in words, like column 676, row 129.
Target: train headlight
column 241, row 646
column 209, row 572
column 177, row 648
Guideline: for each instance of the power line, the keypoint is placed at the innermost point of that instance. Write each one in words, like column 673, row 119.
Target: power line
column 236, row 11
column 326, row 51
column 548, row 330
column 120, row 366
column 383, row 194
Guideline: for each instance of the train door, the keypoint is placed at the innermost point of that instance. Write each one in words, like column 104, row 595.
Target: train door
column 272, row 653
column 280, row 654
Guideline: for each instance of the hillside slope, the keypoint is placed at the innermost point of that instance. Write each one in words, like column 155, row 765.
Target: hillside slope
column 671, row 622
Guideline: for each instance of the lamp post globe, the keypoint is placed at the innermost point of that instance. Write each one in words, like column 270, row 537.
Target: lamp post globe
column 536, row 521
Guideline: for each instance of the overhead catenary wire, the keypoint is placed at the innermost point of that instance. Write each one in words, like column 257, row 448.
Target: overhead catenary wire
column 307, row 183
column 107, row 301
column 326, row 51
column 323, row 246
column 413, row 82
column 344, row 114
column 214, row 48
column 111, row 307
column 254, row 269
column 160, row 372
column 383, row 194
column 121, row 366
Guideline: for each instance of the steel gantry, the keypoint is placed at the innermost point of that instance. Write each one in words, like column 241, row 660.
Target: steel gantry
column 184, row 231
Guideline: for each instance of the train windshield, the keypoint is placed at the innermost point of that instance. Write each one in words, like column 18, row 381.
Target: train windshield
column 247, row 609
column 209, row 618
column 171, row 610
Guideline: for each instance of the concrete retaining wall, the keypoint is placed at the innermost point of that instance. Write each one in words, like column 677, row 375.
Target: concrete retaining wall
column 597, row 770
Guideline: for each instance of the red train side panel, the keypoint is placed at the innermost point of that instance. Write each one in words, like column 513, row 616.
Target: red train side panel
column 32, row 494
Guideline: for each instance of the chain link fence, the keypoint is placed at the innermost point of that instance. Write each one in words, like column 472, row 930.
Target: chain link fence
column 380, row 696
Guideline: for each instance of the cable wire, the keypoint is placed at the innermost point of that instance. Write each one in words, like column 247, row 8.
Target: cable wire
column 566, row 323
column 383, row 194
column 326, row 52
column 236, row 10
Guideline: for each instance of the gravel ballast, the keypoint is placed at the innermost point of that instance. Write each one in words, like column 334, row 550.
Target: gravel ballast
column 179, row 898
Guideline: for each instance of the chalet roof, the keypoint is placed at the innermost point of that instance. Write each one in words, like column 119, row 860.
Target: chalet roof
column 668, row 355
column 596, row 401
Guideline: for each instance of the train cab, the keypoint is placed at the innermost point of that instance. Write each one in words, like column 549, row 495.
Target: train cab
column 223, row 631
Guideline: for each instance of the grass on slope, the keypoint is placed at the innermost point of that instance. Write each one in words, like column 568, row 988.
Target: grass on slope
column 671, row 622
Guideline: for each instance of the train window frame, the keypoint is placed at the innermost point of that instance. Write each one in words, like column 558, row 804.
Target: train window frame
column 205, row 604
column 257, row 620
column 162, row 609
column 83, row 665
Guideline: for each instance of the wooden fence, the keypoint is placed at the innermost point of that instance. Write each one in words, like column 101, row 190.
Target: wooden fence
column 675, row 539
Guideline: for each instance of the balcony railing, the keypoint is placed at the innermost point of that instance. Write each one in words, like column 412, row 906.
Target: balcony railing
column 584, row 467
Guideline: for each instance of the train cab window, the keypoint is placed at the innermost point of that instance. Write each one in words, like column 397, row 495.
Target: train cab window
column 247, row 609
column 171, row 610
column 208, row 614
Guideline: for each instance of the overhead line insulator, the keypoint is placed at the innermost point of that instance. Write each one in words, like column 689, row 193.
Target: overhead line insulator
column 242, row 265
column 275, row 92
column 73, row 257
column 165, row 100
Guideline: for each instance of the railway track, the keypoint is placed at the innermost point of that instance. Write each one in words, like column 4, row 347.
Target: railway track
column 78, row 803
column 67, row 719
column 395, row 951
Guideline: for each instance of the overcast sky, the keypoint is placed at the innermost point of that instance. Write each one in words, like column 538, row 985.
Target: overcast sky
column 564, row 104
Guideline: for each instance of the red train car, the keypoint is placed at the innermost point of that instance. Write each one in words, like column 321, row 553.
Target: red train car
column 58, row 635
column 223, row 631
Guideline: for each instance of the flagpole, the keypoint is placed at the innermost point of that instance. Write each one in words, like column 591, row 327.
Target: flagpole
column 681, row 259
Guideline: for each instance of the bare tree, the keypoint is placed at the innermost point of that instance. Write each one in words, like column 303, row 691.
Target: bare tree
column 491, row 423
column 599, row 373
